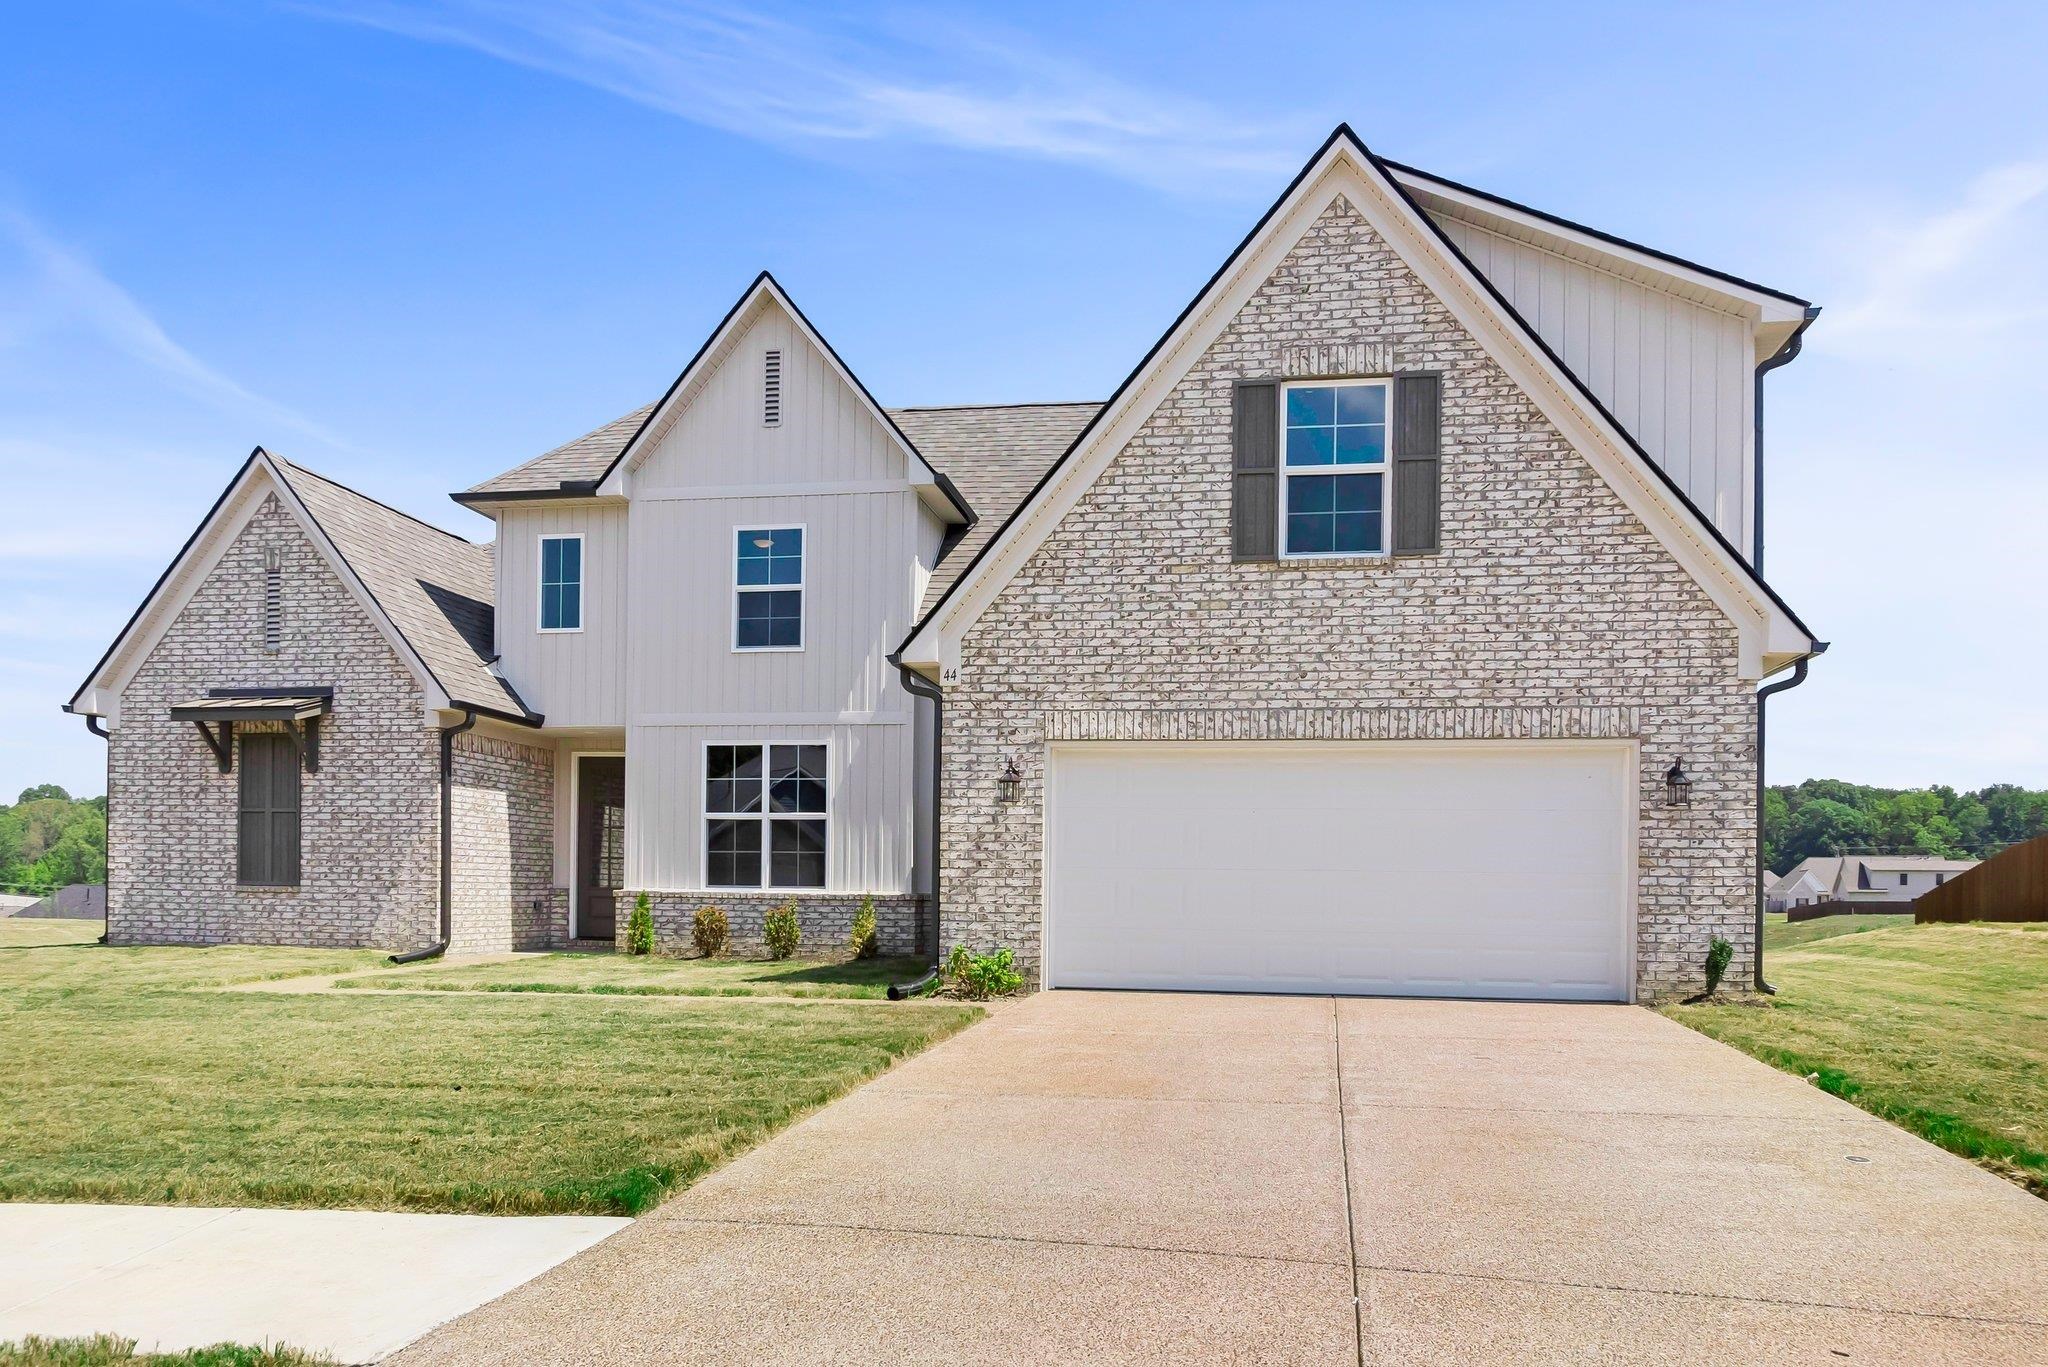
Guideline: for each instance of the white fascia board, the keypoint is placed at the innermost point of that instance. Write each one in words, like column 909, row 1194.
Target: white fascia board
column 101, row 695
column 1762, row 306
column 936, row 645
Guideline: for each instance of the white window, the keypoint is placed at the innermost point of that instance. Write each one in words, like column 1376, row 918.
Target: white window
column 561, row 583
column 765, row 815
column 768, row 588
column 1333, row 469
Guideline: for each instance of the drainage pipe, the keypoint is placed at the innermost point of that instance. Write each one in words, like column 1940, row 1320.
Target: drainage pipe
column 919, row 686
column 1763, row 696
column 436, row 950
column 98, row 726
column 1784, row 355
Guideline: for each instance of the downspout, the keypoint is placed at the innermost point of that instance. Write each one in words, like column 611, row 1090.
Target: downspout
column 98, row 726
column 1784, row 355
column 1763, row 696
column 919, row 686
column 448, row 735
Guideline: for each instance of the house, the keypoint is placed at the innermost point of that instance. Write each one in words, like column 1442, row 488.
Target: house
column 1344, row 648
column 1893, row 880
column 1810, row 881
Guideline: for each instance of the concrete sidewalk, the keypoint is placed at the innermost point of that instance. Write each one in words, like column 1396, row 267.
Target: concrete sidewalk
column 1122, row 1177
column 352, row 1284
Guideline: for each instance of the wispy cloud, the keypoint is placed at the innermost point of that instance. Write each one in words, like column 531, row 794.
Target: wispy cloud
column 52, row 287
column 936, row 82
column 1947, row 273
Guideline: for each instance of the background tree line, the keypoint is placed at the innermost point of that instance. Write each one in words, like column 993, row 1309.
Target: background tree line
column 48, row 840
column 1825, row 816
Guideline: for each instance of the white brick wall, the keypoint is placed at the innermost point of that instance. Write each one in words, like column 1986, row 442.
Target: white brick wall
column 369, row 819
column 503, row 872
column 1551, row 610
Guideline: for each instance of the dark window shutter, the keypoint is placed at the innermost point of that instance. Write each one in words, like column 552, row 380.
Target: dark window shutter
column 267, row 831
column 1254, row 472
column 1418, row 447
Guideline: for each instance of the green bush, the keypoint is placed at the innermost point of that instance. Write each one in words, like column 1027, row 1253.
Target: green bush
column 864, row 942
column 709, row 931
column 780, row 929
column 978, row 977
column 1719, row 953
column 640, row 927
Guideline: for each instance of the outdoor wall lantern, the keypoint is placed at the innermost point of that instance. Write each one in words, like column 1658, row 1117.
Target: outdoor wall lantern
column 1010, row 787
column 1677, row 787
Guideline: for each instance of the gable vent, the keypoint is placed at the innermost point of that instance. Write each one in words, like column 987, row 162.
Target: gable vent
column 273, row 602
column 771, row 389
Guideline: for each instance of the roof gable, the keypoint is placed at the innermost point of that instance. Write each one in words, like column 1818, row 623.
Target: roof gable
column 1772, row 635
column 428, row 592
column 766, row 294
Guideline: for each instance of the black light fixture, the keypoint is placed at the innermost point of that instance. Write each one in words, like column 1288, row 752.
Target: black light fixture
column 1010, row 787
column 1677, row 787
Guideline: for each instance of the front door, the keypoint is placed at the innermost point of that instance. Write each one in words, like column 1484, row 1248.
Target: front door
column 600, row 843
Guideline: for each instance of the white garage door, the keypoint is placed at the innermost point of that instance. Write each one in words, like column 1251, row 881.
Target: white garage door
column 1457, row 870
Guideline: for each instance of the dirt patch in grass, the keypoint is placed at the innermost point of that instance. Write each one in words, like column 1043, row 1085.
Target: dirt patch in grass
column 1942, row 1030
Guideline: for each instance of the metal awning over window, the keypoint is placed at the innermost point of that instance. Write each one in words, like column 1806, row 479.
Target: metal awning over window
column 299, row 708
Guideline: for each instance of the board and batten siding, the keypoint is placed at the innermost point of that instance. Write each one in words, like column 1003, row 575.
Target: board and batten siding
column 573, row 678
column 828, row 466
column 870, row 796
column 1677, row 374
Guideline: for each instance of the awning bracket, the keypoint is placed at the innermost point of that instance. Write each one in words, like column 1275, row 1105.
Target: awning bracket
column 223, row 748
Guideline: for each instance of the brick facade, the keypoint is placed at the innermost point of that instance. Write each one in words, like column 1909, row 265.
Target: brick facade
column 503, row 874
column 1551, row 610
column 826, row 918
column 369, row 845
column 369, row 820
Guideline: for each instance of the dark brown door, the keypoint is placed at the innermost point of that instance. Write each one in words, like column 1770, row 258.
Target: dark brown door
column 600, row 843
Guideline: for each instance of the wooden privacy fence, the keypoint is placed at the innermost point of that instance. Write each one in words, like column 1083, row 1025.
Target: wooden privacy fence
column 2009, row 886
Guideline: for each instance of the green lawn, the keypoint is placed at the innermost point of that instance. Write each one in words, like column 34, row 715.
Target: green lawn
column 1940, row 1029
column 125, row 1077
column 650, row 976
column 1782, row 934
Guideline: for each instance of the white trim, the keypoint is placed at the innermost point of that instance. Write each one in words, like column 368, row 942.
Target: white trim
column 540, row 583
column 801, row 587
column 1768, row 638
column 576, row 758
column 196, row 563
column 764, row 817
column 1384, row 469
column 688, row 494
column 1632, row 805
column 772, row 719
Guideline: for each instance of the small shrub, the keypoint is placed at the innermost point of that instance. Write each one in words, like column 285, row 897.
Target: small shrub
column 978, row 977
column 1719, row 953
column 709, row 931
column 640, row 927
column 864, row 942
column 780, row 929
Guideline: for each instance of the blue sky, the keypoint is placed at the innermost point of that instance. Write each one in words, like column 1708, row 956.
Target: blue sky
column 412, row 242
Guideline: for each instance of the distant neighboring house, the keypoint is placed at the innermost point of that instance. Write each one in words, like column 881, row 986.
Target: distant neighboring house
column 13, row 904
column 1346, row 648
column 1805, row 883
column 76, row 902
column 1890, row 878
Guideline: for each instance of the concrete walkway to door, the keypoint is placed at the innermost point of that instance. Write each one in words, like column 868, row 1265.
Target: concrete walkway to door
column 1162, row 1178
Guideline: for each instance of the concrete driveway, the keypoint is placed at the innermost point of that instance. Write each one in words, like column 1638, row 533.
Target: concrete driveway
column 1144, row 1177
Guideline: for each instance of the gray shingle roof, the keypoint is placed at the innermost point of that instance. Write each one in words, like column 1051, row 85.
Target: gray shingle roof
column 436, row 588
column 587, row 457
column 994, row 453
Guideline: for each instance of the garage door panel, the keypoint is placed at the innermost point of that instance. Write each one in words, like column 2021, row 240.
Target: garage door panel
column 1474, row 870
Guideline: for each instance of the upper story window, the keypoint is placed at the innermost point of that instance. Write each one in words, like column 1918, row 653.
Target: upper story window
column 1333, row 469
column 768, row 588
column 561, row 583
